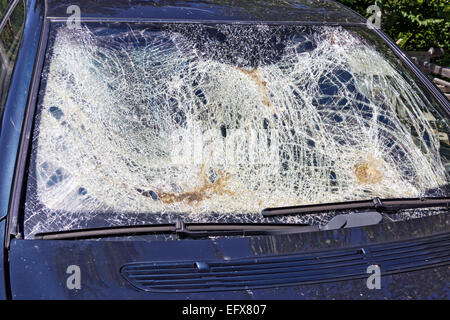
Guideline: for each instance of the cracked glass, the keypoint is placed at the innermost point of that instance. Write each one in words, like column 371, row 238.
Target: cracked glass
column 145, row 123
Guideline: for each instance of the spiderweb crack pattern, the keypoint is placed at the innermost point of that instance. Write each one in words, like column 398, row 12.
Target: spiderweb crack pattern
column 226, row 119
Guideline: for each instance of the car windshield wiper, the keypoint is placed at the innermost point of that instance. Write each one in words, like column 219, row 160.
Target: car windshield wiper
column 385, row 206
column 197, row 230
column 364, row 217
column 183, row 230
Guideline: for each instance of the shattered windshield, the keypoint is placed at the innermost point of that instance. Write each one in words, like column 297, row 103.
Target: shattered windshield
column 138, row 124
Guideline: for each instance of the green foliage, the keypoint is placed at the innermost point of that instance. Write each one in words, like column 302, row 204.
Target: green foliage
column 418, row 24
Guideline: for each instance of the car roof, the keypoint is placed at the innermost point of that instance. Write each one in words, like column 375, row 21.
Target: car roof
column 244, row 11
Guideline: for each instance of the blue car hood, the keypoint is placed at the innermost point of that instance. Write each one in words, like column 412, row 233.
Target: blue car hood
column 413, row 257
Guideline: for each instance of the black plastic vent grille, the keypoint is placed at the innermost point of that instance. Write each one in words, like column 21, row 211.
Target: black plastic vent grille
column 286, row 270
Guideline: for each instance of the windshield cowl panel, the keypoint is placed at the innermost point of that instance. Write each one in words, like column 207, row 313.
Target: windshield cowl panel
column 146, row 123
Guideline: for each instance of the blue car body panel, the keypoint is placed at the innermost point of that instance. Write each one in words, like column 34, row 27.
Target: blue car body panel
column 2, row 259
column 322, row 11
column 38, row 267
column 13, row 116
